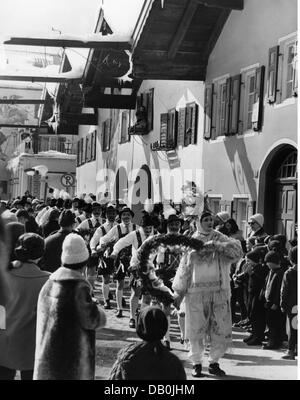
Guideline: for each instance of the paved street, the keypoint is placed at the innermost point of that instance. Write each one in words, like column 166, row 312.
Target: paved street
column 240, row 363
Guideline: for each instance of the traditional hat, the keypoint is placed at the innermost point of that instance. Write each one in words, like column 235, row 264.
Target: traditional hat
column 30, row 246
column 258, row 218
column 126, row 209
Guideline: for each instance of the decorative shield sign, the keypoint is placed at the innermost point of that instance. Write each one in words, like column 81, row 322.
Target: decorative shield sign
column 67, row 180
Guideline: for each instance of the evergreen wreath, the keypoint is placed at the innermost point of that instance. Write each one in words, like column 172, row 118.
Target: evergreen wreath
column 150, row 282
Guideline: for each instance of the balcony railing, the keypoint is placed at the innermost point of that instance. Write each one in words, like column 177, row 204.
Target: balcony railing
column 167, row 146
column 41, row 144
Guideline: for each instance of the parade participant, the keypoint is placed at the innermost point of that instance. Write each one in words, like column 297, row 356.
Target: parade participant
column 25, row 280
column 31, row 225
column 134, row 240
column 203, row 279
column 92, row 224
column 75, row 203
column 52, row 225
column 53, row 243
column 289, row 302
column 167, row 262
column 43, row 217
column 148, row 360
column 66, row 322
column 123, row 259
column 105, row 265
column 81, row 214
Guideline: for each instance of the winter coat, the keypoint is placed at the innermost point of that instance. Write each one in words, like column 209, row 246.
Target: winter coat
column 53, row 248
column 139, row 361
column 67, row 318
column 288, row 294
column 273, row 287
column 50, row 227
column 17, row 341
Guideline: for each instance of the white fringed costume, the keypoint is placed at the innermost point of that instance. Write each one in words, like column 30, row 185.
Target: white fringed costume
column 203, row 279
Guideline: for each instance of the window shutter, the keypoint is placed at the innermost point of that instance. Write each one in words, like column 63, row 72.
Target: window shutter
column 295, row 72
column 103, row 135
column 149, row 107
column 272, row 74
column 93, row 146
column 258, row 98
column 78, row 154
column 194, row 123
column 109, row 123
column 163, row 129
column 225, row 130
column 139, row 101
column 87, row 139
column 81, row 151
column 234, row 104
column 172, row 128
column 208, row 104
column 181, row 126
column 187, row 131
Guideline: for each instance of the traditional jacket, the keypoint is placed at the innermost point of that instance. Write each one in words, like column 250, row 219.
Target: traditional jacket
column 17, row 341
column 67, row 318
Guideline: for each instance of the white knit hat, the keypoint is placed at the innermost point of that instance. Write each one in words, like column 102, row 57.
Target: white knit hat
column 259, row 218
column 74, row 250
column 223, row 215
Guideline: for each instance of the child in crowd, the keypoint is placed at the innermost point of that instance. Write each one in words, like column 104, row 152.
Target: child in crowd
column 288, row 303
column 275, row 318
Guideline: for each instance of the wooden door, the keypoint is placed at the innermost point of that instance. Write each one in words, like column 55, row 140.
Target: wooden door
column 285, row 209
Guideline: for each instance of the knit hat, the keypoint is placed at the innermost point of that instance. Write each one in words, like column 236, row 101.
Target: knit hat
column 152, row 324
column 223, row 215
column 294, row 255
column 74, row 250
column 272, row 257
column 257, row 218
column 66, row 218
column 30, row 246
column 254, row 256
column 206, row 214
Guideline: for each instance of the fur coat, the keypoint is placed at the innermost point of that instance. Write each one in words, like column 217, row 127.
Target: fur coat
column 67, row 318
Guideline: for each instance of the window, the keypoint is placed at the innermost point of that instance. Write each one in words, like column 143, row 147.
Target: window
column 283, row 70
column 172, row 128
column 248, row 101
column 288, row 168
column 242, row 209
column 214, row 204
column 106, row 128
column 125, row 124
column 220, row 107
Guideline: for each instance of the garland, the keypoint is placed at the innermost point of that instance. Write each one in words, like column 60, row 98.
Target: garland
column 145, row 271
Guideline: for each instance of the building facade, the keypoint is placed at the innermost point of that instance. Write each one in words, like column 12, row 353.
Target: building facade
column 250, row 151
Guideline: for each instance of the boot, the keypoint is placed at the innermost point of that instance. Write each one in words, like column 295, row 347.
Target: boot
column 290, row 355
column 107, row 305
column 215, row 369
column 197, row 371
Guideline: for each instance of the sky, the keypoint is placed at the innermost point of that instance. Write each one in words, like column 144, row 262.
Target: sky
column 75, row 17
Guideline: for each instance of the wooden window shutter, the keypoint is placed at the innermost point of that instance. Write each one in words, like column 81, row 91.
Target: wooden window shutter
column 234, row 104
column 93, row 146
column 172, row 128
column 295, row 72
column 109, row 126
column 194, row 123
column 81, row 151
column 272, row 74
column 78, row 154
column 225, row 128
column 87, row 156
column 213, row 129
column 149, row 106
column 258, row 98
column 208, row 104
column 181, row 126
column 139, row 101
column 163, row 129
column 103, row 136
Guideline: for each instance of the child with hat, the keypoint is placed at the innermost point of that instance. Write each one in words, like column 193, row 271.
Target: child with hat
column 275, row 318
column 289, row 302
column 149, row 359
column 66, row 321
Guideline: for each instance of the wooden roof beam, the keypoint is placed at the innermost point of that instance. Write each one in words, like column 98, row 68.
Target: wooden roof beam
column 81, row 119
column 231, row 4
column 182, row 28
column 28, row 78
column 98, row 100
column 48, row 42
column 22, row 101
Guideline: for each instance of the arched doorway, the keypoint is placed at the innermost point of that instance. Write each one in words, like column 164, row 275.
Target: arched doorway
column 142, row 190
column 280, row 203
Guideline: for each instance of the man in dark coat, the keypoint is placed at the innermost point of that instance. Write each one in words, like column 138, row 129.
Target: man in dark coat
column 148, row 360
column 67, row 317
column 53, row 243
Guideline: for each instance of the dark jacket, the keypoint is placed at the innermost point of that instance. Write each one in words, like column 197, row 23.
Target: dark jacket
column 288, row 294
column 53, row 249
column 67, row 318
column 32, row 226
column 50, row 227
column 139, row 361
column 273, row 286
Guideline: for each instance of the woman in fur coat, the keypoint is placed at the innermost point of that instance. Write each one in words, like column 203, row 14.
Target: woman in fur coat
column 203, row 279
column 67, row 318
